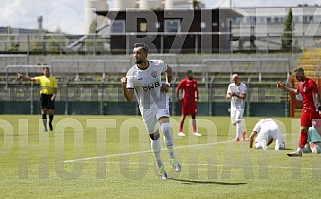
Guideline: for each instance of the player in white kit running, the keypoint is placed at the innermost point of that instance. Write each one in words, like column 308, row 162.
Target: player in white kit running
column 144, row 80
column 267, row 131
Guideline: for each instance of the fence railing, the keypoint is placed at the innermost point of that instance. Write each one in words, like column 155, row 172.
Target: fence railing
column 259, row 66
column 180, row 42
column 83, row 82
column 85, row 97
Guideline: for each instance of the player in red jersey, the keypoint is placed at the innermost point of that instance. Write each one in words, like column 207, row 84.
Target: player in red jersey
column 311, row 103
column 188, row 90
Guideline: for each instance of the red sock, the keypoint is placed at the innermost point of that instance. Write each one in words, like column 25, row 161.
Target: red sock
column 303, row 139
column 180, row 128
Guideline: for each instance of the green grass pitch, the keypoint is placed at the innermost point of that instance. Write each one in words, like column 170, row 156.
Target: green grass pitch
column 110, row 157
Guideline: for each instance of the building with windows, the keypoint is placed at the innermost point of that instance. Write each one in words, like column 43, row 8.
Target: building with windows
column 214, row 30
column 266, row 26
column 155, row 4
column 172, row 30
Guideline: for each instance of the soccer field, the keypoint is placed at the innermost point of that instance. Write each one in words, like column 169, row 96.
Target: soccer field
column 110, row 157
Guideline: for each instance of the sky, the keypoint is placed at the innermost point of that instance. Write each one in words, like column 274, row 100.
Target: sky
column 68, row 15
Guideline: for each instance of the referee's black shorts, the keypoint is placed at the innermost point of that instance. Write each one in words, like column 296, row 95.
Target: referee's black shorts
column 45, row 101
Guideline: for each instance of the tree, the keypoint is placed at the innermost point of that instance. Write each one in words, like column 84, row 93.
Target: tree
column 196, row 4
column 13, row 45
column 88, row 44
column 56, row 41
column 93, row 41
column 35, row 44
column 90, row 40
column 38, row 41
column 287, row 34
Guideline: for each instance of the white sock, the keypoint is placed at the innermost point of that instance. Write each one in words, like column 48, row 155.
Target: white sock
column 157, row 152
column 282, row 145
column 238, row 129
column 168, row 139
column 299, row 150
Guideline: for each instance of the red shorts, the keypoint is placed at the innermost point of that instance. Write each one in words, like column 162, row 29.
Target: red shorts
column 307, row 116
column 189, row 108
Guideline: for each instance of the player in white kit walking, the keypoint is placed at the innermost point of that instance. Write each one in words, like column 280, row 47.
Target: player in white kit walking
column 267, row 131
column 144, row 80
column 236, row 92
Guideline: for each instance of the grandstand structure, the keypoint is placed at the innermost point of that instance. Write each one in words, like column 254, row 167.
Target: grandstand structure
column 90, row 84
column 88, row 67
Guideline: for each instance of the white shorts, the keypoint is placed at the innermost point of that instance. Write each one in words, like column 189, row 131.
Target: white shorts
column 270, row 132
column 236, row 115
column 267, row 133
column 151, row 116
column 263, row 135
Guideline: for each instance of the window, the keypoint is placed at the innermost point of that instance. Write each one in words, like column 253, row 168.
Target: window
column 252, row 19
column 143, row 27
column 203, row 24
column 297, row 19
column 307, row 19
column 235, row 21
column 248, row 20
column 261, row 20
column 173, row 25
column 282, row 19
column 269, row 20
column 118, row 26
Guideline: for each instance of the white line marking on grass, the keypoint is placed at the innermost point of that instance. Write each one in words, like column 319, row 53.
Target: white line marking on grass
column 221, row 165
column 108, row 156
column 147, row 151
column 141, row 152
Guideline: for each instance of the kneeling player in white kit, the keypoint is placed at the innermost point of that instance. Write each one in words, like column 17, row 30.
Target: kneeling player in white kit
column 143, row 80
column 267, row 131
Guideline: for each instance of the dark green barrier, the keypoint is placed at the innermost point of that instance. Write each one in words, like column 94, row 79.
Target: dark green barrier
column 268, row 109
column 203, row 109
column 83, row 108
column 15, row 107
column 120, row 108
column 124, row 108
column 221, row 108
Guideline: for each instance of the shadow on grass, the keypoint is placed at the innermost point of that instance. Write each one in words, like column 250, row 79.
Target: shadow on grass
column 206, row 182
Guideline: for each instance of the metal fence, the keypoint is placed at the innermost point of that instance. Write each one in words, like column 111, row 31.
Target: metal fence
column 93, row 44
column 107, row 98
column 91, row 86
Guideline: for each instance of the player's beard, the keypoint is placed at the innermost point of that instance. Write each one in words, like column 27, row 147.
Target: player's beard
column 138, row 61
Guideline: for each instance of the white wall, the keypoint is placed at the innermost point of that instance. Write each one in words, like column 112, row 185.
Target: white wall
column 90, row 16
column 123, row 4
column 147, row 4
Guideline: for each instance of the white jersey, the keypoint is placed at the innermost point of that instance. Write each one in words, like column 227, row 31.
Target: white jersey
column 147, row 84
column 237, row 103
column 267, row 129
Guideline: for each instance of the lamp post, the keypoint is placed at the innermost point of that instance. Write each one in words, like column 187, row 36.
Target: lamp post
column 41, row 37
